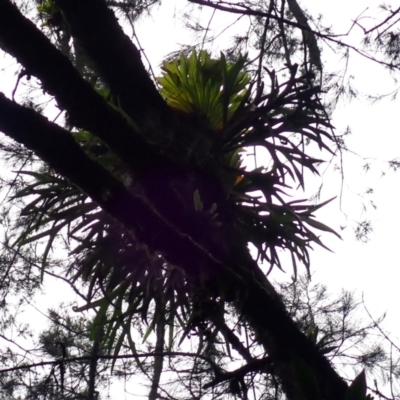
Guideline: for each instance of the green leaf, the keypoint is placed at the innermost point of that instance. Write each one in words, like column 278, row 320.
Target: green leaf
column 198, row 205
column 210, row 88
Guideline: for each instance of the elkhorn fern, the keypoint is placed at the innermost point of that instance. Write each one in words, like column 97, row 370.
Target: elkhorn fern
column 211, row 88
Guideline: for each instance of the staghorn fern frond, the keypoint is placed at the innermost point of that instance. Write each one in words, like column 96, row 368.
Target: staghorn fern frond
column 122, row 274
column 211, row 88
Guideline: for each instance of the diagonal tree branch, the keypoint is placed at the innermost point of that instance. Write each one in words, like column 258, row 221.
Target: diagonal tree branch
column 255, row 365
column 58, row 149
column 237, row 8
column 213, row 256
column 255, row 298
column 115, row 57
column 309, row 37
column 245, row 10
column 86, row 109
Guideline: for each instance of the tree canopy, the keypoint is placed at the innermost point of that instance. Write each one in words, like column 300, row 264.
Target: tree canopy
column 145, row 186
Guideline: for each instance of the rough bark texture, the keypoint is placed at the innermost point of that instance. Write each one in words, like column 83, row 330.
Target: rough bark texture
column 212, row 255
column 86, row 109
column 115, row 57
column 309, row 38
column 254, row 297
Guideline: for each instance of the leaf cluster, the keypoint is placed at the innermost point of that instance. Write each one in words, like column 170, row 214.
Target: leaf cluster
column 122, row 273
column 167, row 252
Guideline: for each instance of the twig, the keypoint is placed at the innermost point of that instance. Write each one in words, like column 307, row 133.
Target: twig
column 257, row 13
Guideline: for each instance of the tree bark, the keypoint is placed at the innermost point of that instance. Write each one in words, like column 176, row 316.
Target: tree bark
column 86, row 109
column 115, row 58
column 254, row 297
column 210, row 255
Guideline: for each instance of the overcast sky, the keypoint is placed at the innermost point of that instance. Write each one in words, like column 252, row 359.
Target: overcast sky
column 370, row 268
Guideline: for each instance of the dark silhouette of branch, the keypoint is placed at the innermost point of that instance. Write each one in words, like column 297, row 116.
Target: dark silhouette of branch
column 108, row 357
column 377, row 325
column 120, row 65
column 309, row 36
column 245, row 10
column 274, row 329
column 55, row 146
column 185, row 239
column 232, row 339
column 386, row 20
column 240, row 373
column 95, row 352
column 159, row 347
column 86, row 108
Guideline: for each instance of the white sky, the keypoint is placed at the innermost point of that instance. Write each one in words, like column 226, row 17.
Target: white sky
column 369, row 268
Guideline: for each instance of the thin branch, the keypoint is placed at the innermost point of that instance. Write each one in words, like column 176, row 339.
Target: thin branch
column 257, row 13
column 393, row 13
column 104, row 357
column 159, row 347
column 240, row 373
column 378, row 326
column 57, row 147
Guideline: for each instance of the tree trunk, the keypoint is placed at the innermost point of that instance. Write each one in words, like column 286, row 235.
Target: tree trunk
column 215, row 257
